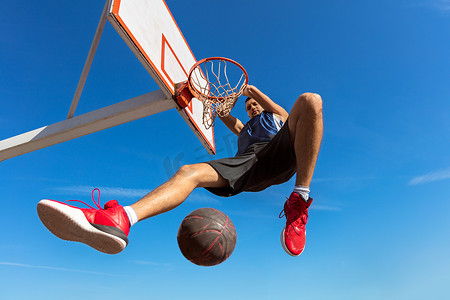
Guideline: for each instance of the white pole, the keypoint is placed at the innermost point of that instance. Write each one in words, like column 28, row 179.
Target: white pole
column 110, row 116
column 88, row 63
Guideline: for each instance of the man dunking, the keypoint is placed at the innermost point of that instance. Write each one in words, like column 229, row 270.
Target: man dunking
column 272, row 146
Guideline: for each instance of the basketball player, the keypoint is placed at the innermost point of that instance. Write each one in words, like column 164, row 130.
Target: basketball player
column 272, row 146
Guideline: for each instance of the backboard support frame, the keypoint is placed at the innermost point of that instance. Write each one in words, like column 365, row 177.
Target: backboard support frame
column 89, row 60
column 94, row 121
column 113, row 115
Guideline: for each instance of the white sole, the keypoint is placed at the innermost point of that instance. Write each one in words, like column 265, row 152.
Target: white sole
column 70, row 224
column 283, row 244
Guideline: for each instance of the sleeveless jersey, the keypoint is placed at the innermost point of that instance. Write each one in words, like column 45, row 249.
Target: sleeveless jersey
column 260, row 128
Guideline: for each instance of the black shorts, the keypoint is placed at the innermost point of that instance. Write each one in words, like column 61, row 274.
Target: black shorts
column 260, row 166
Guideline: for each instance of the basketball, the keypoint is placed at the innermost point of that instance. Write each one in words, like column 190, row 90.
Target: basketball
column 206, row 237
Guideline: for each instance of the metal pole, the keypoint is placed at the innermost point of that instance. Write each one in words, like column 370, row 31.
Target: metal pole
column 81, row 125
column 90, row 58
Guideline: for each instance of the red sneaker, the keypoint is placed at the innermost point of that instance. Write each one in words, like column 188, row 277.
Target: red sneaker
column 105, row 230
column 293, row 236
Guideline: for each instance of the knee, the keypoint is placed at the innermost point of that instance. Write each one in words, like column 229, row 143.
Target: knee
column 197, row 174
column 310, row 102
column 191, row 173
column 187, row 171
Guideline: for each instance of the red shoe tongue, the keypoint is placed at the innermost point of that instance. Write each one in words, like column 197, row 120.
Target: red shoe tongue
column 110, row 204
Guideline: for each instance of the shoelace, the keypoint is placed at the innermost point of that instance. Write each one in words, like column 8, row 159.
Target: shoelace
column 93, row 199
column 282, row 213
column 299, row 209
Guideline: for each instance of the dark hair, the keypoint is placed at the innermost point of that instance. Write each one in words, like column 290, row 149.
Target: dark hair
column 248, row 98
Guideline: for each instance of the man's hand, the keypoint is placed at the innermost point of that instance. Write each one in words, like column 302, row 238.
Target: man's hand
column 267, row 103
column 246, row 91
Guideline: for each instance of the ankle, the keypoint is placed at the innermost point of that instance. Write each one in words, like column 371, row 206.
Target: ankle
column 302, row 191
column 132, row 216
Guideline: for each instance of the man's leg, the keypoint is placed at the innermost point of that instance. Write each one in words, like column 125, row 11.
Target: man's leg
column 306, row 128
column 107, row 229
column 172, row 193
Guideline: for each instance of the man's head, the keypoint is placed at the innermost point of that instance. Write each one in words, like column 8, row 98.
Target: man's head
column 252, row 107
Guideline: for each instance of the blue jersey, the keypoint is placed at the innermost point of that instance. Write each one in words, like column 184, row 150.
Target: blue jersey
column 260, row 128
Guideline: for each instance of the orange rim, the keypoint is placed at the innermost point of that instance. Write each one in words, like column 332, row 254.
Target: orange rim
column 198, row 93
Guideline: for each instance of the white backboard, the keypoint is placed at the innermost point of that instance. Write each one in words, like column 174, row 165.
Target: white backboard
column 149, row 29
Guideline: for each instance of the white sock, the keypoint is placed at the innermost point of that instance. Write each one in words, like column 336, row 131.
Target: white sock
column 132, row 216
column 302, row 191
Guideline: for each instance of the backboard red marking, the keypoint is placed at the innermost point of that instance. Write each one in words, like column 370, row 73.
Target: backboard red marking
column 166, row 80
column 170, row 13
column 135, row 41
column 116, row 7
column 163, row 60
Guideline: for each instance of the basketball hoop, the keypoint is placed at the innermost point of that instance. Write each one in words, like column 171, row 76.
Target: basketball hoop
column 217, row 82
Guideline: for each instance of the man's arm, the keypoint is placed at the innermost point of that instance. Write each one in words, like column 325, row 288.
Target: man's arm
column 234, row 124
column 266, row 103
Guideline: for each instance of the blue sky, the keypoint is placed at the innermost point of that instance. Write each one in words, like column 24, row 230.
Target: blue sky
column 379, row 227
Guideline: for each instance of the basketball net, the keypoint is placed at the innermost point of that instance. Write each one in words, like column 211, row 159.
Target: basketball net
column 217, row 82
